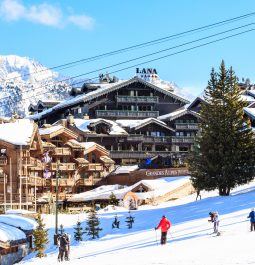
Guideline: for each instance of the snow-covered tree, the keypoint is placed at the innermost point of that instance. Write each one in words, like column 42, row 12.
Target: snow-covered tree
column 40, row 239
column 93, row 223
column 224, row 153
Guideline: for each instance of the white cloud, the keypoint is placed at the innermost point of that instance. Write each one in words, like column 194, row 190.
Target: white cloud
column 11, row 10
column 45, row 14
column 82, row 21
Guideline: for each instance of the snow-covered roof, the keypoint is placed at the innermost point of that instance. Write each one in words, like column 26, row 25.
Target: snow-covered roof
column 104, row 89
column 49, row 130
column 9, row 233
column 115, row 129
column 247, row 98
column 102, row 192
column 178, row 113
column 18, row 132
column 136, row 124
column 19, row 221
column 125, row 169
column 250, row 112
column 158, row 187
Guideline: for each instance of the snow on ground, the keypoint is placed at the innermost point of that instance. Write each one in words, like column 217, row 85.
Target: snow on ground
column 189, row 241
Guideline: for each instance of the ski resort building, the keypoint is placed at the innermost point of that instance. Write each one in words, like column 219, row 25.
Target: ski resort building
column 136, row 119
column 31, row 161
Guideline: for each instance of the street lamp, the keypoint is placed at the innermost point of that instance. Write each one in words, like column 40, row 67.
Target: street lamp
column 56, row 211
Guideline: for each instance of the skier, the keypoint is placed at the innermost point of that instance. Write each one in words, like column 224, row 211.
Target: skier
column 214, row 218
column 164, row 224
column 252, row 219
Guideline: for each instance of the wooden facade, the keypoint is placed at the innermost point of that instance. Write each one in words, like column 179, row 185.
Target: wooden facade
column 28, row 170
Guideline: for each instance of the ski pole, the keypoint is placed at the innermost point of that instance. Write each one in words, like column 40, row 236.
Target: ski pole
column 156, row 236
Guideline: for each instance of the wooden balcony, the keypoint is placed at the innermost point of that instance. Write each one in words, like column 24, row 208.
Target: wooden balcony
column 126, row 114
column 141, row 99
column 32, row 162
column 62, row 166
column 128, row 154
column 186, row 126
column 135, row 138
column 95, row 167
column 90, row 181
column 64, row 151
column 3, row 160
column 182, row 139
column 32, row 180
column 157, row 139
column 62, row 182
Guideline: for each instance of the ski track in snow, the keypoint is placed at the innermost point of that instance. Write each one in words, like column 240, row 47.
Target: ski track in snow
column 189, row 242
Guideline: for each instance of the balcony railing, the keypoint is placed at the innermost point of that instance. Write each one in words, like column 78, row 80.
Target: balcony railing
column 89, row 181
column 183, row 139
column 133, row 99
column 32, row 180
column 63, row 182
column 148, row 139
column 64, row 151
column 128, row 154
column 135, row 138
column 127, row 113
column 95, row 167
column 157, row 139
column 3, row 160
column 32, row 162
column 186, row 126
column 62, row 166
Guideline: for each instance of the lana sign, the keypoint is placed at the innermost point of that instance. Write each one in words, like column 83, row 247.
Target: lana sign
column 167, row 172
column 147, row 71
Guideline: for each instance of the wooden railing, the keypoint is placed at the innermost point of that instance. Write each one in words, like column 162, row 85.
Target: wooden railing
column 183, row 139
column 127, row 113
column 186, row 126
column 3, row 160
column 137, row 154
column 62, row 151
column 134, row 99
column 62, row 166
column 95, row 167
column 63, row 182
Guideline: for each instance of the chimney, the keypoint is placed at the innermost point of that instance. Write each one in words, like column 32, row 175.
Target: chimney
column 70, row 119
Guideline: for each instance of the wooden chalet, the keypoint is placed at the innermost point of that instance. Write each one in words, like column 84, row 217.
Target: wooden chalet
column 125, row 117
column 30, row 160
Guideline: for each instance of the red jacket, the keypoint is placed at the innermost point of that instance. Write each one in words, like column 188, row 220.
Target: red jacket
column 164, row 224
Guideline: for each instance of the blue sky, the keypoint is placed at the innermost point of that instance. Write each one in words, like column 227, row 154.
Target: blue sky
column 58, row 32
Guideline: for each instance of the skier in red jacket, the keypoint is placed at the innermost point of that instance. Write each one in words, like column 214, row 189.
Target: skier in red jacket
column 164, row 224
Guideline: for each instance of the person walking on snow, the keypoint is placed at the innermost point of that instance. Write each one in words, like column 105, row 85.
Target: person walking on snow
column 164, row 224
column 252, row 219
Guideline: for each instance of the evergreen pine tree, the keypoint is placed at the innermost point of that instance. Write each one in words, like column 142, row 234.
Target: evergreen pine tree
column 93, row 225
column 116, row 222
column 224, row 154
column 40, row 239
column 112, row 199
column 130, row 220
column 78, row 231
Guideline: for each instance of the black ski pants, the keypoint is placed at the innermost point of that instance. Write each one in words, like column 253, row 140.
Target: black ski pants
column 163, row 238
